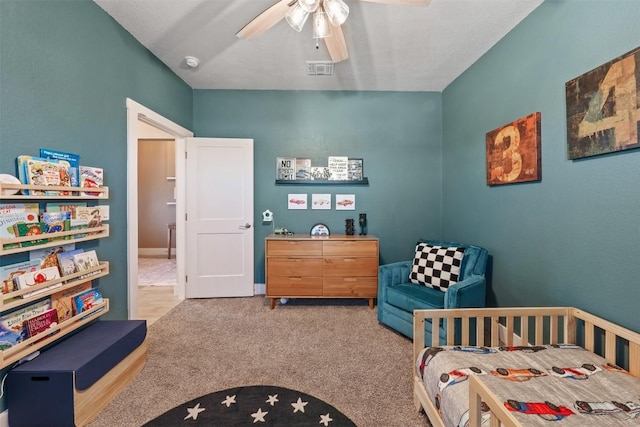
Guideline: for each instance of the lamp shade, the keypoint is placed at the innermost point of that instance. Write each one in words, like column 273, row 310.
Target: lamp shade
column 321, row 25
column 296, row 17
column 309, row 5
column 337, row 11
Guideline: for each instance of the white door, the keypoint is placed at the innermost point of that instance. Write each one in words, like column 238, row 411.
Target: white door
column 219, row 232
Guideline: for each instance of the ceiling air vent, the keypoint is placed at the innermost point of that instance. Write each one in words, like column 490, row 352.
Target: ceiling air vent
column 319, row 68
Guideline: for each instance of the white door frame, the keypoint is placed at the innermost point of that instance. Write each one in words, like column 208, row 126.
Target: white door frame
column 136, row 112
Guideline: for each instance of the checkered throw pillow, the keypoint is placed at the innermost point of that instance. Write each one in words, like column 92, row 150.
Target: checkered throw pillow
column 437, row 267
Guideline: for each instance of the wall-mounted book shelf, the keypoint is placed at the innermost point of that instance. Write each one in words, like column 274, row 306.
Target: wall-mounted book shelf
column 13, row 300
column 363, row 181
column 6, row 189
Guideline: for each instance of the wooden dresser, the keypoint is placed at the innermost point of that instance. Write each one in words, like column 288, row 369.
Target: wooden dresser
column 336, row 266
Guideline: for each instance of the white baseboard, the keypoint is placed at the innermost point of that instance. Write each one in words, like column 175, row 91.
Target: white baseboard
column 258, row 289
column 4, row 418
column 155, row 252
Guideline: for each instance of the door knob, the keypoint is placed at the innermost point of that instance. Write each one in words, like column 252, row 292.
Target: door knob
column 247, row 225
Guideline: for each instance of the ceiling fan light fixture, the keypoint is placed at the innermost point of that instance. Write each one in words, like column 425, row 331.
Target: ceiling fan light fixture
column 296, row 17
column 337, row 11
column 309, row 5
column 321, row 25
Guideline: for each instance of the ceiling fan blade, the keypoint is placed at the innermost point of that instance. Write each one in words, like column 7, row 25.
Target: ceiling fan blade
column 265, row 20
column 402, row 2
column 336, row 45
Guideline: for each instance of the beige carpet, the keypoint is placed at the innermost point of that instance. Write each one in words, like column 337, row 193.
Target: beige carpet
column 333, row 350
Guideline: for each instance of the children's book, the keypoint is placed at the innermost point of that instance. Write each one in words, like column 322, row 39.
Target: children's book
column 65, row 207
column 41, row 322
column 37, row 277
column 57, row 222
column 13, row 213
column 9, row 272
column 91, row 177
column 48, row 257
column 85, row 261
column 41, row 171
column 23, row 229
column 86, row 300
column 66, row 264
column 62, row 300
column 71, row 158
column 93, row 215
column 12, row 326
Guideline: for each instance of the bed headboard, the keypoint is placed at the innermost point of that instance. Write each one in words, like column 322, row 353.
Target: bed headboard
column 530, row 326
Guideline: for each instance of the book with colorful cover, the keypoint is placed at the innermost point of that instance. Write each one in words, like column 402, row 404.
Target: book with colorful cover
column 12, row 214
column 86, row 300
column 93, row 215
column 71, row 158
column 41, row 171
column 66, row 264
column 12, row 325
column 91, row 177
column 41, row 322
column 78, row 224
column 9, row 272
column 24, row 229
column 62, row 300
column 37, row 277
column 85, row 261
column 57, row 222
column 48, row 257
column 65, row 207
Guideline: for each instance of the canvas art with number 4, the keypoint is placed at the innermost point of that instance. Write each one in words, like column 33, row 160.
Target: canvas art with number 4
column 603, row 108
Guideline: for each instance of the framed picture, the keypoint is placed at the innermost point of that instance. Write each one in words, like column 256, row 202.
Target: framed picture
column 355, row 169
column 297, row 201
column 321, row 201
column 513, row 152
column 603, row 108
column 345, row 202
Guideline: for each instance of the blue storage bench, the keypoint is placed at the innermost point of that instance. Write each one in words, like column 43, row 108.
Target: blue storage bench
column 71, row 382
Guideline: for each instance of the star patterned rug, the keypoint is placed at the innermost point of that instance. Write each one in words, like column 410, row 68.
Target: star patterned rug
column 254, row 405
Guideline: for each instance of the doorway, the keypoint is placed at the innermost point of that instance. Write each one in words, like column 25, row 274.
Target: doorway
column 136, row 114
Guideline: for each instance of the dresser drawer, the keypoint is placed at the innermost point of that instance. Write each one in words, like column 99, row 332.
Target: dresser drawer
column 293, row 247
column 279, row 286
column 363, row 287
column 366, row 248
column 292, row 266
column 350, row 266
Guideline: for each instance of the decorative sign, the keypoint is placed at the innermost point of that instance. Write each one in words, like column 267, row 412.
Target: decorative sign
column 603, row 108
column 513, row 152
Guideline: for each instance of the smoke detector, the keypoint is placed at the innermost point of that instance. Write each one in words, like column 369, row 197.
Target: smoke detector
column 319, row 68
column 191, row 61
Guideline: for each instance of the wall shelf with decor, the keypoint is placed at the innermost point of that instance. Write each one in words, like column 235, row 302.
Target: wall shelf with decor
column 16, row 300
column 363, row 181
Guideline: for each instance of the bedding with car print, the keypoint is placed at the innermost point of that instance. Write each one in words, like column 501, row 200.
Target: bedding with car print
column 538, row 384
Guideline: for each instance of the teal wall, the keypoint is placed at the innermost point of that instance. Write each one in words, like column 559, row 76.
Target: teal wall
column 573, row 238
column 66, row 70
column 398, row 135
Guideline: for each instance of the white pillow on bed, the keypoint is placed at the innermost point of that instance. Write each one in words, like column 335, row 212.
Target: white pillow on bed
column 437, row 267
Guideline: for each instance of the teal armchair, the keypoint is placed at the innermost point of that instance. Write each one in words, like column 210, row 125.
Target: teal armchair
column 398, row 297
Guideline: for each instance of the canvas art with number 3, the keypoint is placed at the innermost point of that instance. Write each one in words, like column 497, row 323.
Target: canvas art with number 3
column 513, row 152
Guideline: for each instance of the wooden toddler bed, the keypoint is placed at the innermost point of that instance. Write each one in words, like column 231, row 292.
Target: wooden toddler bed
column 525, row 366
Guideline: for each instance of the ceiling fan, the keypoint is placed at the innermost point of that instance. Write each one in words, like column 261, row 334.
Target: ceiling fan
column 328, row 17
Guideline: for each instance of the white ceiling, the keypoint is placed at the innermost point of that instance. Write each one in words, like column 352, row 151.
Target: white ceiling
column 391, row 47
